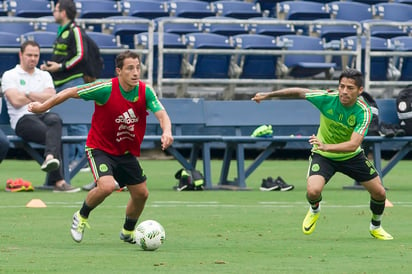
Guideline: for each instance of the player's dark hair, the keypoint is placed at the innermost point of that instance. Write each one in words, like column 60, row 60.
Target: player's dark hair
column 353, row 74
column 70, row 7
column 28, row 43
column 126, row 54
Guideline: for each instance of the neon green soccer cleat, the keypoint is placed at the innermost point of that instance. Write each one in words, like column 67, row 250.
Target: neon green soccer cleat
column 309, row 223
column 381, row 234
column 127, row 236
column 78, row 225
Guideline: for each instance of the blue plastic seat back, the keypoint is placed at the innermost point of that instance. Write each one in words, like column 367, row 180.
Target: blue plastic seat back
column 210, row 65
column 97, row 8
column 257, row 66
column 404, row 43
column 236, row 9
column 271, row 29
column 178, row 28
column 353, row 11
column 228, row 28
column 302, row 10
column 379, row 64
column 9, row 60
column 172, row 62
column 393, row 11
column 144, row 8
column 190, row 9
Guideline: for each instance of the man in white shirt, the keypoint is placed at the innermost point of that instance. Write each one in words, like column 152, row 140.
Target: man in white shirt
column 25, row 84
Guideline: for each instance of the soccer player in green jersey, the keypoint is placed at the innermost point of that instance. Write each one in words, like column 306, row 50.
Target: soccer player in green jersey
column 344, row 121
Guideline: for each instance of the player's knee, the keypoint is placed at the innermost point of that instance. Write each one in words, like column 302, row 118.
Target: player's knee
column 313, row 192
column 106, row 188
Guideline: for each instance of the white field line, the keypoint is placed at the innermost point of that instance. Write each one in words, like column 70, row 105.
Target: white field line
column 215, row 204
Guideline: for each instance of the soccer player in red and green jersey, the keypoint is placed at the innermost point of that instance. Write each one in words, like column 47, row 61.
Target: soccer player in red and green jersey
column 344, row 121
column 113, row 143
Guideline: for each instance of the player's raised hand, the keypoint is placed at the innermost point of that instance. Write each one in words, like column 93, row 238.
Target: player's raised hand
column 259, row 97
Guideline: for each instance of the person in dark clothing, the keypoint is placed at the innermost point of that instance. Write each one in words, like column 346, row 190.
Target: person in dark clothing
column 67, row 64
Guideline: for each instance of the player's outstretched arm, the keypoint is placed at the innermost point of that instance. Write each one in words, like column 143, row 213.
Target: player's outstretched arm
column 281, row 93
column 37, row 107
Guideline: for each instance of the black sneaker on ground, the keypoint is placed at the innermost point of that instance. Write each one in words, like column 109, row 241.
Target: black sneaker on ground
column 269, row 185
column 283, row 186
column 386, row 130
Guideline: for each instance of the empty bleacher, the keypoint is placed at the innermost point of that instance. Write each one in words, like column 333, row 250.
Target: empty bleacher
column 225, row 70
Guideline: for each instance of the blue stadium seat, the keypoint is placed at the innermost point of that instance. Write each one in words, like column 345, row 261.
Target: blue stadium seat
column 190, row 9
column 268, row 29
column 126, row 31
column 236, row 9
column 46, row 26
column 384, row 31
column 393, row 11
column 106, row 41
column 9, row 60
column 3, row 8
column 178, row 28
column 97, row 8
column 300, row 66
column 404, row 64
column 16, row 27
column 228, row 28
column 353, row 11
column 172, row 62
column 30, row 8
column 409, row 2
column 256, row 66
column 208, row 65
column 301, row 10
column 144, row 8
column 333, row 32
column 44, row 38
column 372, row 2
column 379, row 64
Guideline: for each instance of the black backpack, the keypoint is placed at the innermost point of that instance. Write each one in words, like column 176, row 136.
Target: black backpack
column 404, row 109
column 93, row 62
column 374, row 125
column 189, row 180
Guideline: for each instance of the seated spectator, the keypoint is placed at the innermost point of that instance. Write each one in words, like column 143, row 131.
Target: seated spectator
column 25, row 84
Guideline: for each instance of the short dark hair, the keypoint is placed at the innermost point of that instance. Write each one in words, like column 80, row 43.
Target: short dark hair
column 353, row 74
column 28, row 43
column 126, row 54
column 69, row 7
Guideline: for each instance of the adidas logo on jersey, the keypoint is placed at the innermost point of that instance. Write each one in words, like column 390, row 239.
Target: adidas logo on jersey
column 128, row 117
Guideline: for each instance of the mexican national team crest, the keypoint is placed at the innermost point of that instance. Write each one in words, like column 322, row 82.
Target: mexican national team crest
column 351, row 120
column 126, row 122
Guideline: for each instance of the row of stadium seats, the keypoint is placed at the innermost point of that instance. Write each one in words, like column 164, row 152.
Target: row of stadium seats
column 120, row 31
column 291, row 65
column 289, row 10
column 226, row 26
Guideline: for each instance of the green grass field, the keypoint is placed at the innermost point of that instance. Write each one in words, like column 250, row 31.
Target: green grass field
column 208, row 231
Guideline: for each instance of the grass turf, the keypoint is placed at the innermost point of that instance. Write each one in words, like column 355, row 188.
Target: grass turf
column 209, row 231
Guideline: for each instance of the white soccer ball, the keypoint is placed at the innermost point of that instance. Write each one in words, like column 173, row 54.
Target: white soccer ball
column 149, row 235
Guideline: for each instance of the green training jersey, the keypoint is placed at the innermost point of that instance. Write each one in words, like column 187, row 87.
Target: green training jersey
column 99, row 91
column 337, row 122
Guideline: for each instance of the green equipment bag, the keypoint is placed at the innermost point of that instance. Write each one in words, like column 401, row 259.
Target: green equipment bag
column 189, row 180
column 263, row 131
